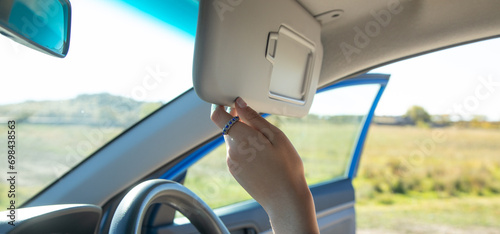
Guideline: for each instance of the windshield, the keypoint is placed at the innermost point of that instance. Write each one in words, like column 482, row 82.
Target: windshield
column 125, row 61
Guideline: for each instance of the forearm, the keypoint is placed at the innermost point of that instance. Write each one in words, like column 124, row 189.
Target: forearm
column 294, row 215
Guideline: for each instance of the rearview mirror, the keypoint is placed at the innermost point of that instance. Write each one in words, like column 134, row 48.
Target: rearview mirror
column 43, row 25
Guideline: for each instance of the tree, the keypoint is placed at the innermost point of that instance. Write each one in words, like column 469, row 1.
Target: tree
column 418, row 114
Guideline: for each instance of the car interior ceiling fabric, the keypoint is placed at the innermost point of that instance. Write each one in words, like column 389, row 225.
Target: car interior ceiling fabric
column 359, row 39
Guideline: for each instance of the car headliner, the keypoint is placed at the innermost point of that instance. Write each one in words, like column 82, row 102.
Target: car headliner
column 420, row 26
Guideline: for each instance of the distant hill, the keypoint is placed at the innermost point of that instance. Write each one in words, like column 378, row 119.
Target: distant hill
column 87, row 109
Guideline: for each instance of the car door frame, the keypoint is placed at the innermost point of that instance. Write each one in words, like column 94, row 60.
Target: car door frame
column 334, row 215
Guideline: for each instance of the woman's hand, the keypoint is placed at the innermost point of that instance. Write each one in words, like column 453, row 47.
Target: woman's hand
column 267, row 166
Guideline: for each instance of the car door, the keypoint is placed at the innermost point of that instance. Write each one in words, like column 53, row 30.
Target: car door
column 180, row 143
column 330, row 141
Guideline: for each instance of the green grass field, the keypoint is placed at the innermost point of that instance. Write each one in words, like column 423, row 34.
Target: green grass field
column 414, row 214
column 407, row 160
column 411, row 180
column 46, row 152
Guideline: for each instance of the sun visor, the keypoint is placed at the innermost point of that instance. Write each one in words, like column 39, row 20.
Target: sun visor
column 267, row 52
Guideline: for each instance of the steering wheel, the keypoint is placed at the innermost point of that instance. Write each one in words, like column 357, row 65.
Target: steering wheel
column 130, row 212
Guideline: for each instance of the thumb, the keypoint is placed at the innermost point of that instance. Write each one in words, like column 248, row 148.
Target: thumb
column 254, row 119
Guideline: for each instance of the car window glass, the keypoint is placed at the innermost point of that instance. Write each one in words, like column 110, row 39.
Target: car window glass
column 325, row 139
column 431, row 160
column 118, row 70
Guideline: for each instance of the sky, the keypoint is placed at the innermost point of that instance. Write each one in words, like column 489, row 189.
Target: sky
column 463, row 80
column 114, row 48
column 117, row 49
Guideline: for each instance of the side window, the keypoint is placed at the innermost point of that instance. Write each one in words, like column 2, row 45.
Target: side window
column 325, row 139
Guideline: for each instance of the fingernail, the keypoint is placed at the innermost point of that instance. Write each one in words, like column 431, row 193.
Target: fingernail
column 241, row 103
column 212, row 109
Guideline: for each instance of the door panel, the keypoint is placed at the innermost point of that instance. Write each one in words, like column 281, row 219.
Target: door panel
column 333, row 214
column 335, row 207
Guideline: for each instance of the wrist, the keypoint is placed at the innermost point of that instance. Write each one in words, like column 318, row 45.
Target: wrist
column 294, row 213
